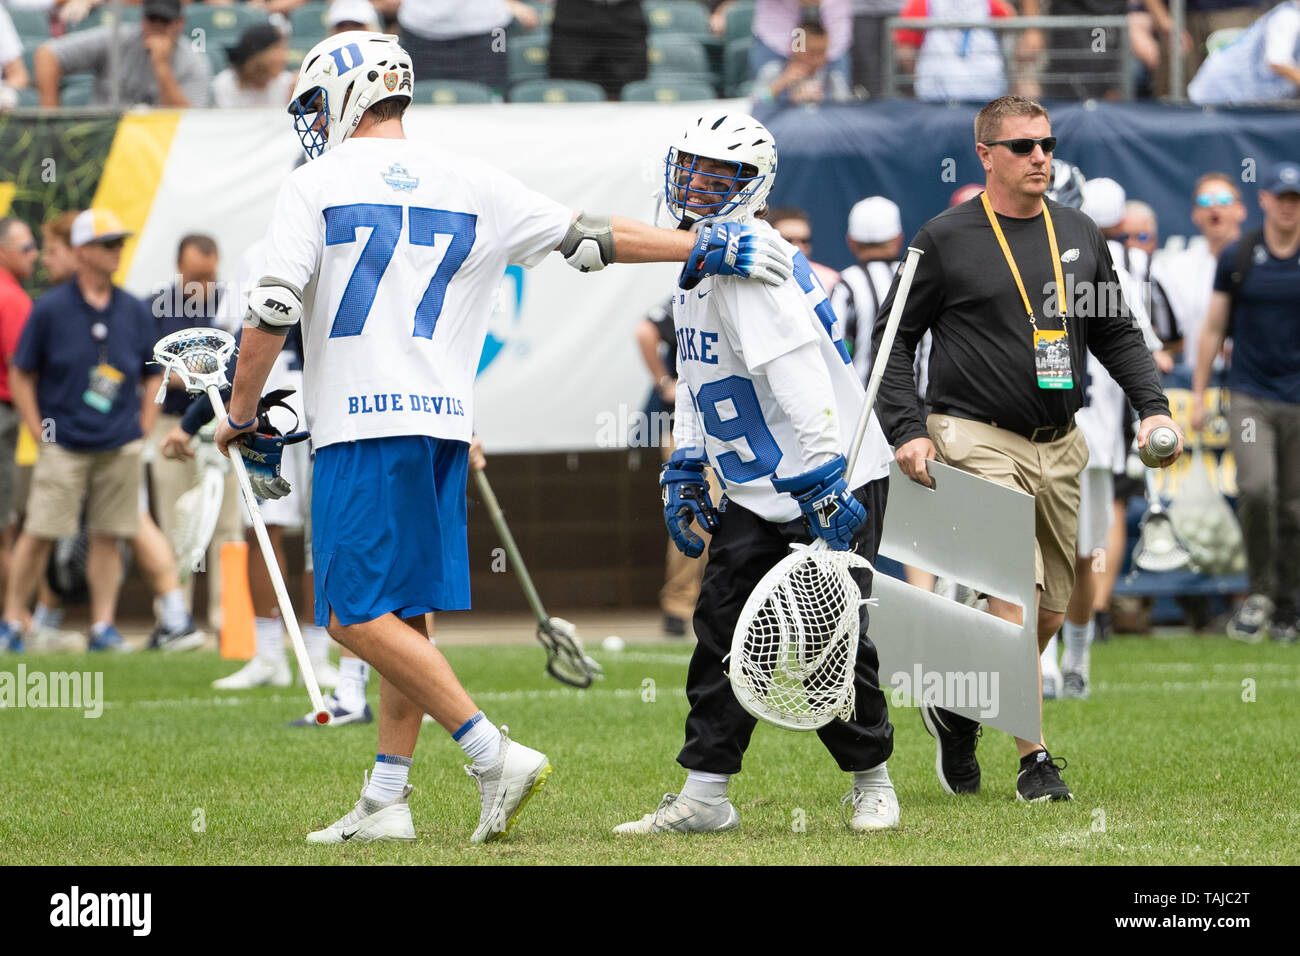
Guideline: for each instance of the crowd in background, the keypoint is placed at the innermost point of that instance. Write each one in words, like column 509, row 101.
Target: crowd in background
column 222, row 54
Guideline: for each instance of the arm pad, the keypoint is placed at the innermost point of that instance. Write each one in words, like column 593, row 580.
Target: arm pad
column 588, row 246
column 274, row 306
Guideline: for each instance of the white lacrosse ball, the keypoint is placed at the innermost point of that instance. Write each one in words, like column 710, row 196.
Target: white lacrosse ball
column 613, row 644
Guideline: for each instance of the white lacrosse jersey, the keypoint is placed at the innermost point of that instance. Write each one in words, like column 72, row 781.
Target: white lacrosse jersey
column 400, row 248
column 729, row 333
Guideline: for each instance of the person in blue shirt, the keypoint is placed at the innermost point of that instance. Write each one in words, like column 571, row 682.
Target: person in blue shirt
column 1256, row 301
column 83, row 382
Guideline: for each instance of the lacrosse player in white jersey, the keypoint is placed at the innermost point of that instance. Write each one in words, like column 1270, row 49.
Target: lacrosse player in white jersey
column 768, row 398
column 389, row 252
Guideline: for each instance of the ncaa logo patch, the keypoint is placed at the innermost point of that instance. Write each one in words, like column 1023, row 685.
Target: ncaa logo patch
column 390, row 81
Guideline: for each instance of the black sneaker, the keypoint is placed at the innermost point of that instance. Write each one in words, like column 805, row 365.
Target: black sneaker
column 1285, row 630
column 1040, row 778
column 1250, row 624
column 955, row 762
column 1103, row 627
column 185, row 638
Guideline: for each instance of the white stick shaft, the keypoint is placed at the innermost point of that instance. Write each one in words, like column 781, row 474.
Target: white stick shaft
column 882, row 354
column 272, row 566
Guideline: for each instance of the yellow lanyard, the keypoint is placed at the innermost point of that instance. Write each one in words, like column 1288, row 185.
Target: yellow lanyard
column 1015, row 273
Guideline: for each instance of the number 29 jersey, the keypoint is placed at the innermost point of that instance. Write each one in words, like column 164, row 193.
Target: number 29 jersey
column 729, row 332
column 399, row 249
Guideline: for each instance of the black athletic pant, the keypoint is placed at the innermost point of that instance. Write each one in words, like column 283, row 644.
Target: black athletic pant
column 602, row 43
column 744, row 548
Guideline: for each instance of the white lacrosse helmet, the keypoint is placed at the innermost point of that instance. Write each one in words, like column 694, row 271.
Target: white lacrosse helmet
column 729, row 137
column 342, row 77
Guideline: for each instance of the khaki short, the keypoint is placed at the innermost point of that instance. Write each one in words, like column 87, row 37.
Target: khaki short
column 1047, row 470
column 107, row 483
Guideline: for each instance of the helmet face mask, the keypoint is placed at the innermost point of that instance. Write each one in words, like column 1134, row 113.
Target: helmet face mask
column 722, row 167
column 342, row 77
column 1067, row 182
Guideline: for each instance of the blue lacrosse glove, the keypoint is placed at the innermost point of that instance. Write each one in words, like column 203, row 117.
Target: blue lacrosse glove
column 732, row 249
column 686, row 498
column 832, row 512
column 263, row 449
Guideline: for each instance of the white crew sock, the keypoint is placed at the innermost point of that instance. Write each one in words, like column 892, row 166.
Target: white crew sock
column 1078, row 644
column 351, row 689
column 480, row 740
column 1050, row 666
column 706, row 787
column 317, row 641
column 388, row 779
column 878, row 774
column 49, row 617
column 175, row 616
column 270, row 637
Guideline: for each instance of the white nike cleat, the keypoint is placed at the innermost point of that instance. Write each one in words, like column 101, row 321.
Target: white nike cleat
column 678, row 814
column 505, row 785
column 259, row 672
column 327, row 675
column 875, row 807
column 369, row 822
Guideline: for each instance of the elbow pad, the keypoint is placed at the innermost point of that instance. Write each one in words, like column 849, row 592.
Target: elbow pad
column 588, row 246
column 274, row 306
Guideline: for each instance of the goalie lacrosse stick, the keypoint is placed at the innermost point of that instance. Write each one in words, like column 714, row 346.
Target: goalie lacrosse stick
column 1159, row 547
column 795, row 647
column 565, row 659
column 198, row 358
column 198, row 509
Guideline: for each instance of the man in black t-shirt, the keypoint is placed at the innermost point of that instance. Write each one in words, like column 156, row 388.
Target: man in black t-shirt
column 1006, row 375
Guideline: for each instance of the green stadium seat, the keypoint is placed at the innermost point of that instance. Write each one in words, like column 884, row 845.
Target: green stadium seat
column 448, row 92
column 668, row 91
column 682, row 57
column 101, row 16
column 33, row 26
column 677, row 18
column 556, row 91
column 310, row 19
column 222, row 20
column 736, row 66
column 76, row 90
column 740, row 21
column 528, row 56
column 545, row 12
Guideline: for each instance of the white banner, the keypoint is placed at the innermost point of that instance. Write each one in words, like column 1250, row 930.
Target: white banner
column 562, row 372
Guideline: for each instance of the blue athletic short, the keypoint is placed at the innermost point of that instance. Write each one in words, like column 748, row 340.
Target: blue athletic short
column 388, row 528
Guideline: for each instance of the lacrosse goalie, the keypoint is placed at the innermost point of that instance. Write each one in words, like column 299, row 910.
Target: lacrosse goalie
column 388, row 251
column 768, row 398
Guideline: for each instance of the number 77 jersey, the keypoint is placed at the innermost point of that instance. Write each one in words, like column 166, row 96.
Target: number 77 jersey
column 399, row 249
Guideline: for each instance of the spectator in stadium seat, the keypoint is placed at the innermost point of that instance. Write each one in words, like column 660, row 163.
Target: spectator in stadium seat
column 155, row 69
column 1205, row 17
column 1260, row 66
column 13, row 74
column 17, row 260
column 256, row 75
column 1264, row 407
column 83, row 382
column 796, row 228
column 345, row 15
column 782, row 28
column 601, row 41
column 806, row 76
column 954, row 64
column 454, row 40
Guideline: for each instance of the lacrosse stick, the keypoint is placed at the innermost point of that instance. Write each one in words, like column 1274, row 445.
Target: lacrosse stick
column 199, row 508
column 1159, row 546
column 795, row 647
column 198, row 358
column 565, row 658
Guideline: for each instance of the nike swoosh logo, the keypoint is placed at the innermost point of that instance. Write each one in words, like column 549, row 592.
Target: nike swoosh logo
column 348, row 836
column 703, row 294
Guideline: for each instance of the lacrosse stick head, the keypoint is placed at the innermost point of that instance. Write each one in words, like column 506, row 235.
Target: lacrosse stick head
column 197, row 356
column 795, row 646
column 1159, row 547
column 566, row 660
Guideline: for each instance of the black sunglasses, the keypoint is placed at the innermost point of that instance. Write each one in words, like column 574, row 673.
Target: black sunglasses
column 1139, row 236
column 112, row 243
column 1023, row 147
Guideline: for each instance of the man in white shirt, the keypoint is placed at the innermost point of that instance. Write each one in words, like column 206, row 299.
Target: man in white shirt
column 389, row 252
column 1262, row 65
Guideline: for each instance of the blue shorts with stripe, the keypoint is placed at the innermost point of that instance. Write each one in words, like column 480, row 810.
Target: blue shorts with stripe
column 388, row 528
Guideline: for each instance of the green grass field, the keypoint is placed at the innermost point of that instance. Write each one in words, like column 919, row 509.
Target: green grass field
column 1168, row 763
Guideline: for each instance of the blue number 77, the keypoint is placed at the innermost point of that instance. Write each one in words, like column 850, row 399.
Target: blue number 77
column 385, row 224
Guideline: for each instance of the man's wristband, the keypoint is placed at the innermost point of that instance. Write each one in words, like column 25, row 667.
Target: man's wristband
column 239, row 428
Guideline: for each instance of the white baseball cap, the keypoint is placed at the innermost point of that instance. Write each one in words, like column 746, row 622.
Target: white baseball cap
column 351, row 11
column 96, row 225
column 874, row 219
column 1103, row 202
